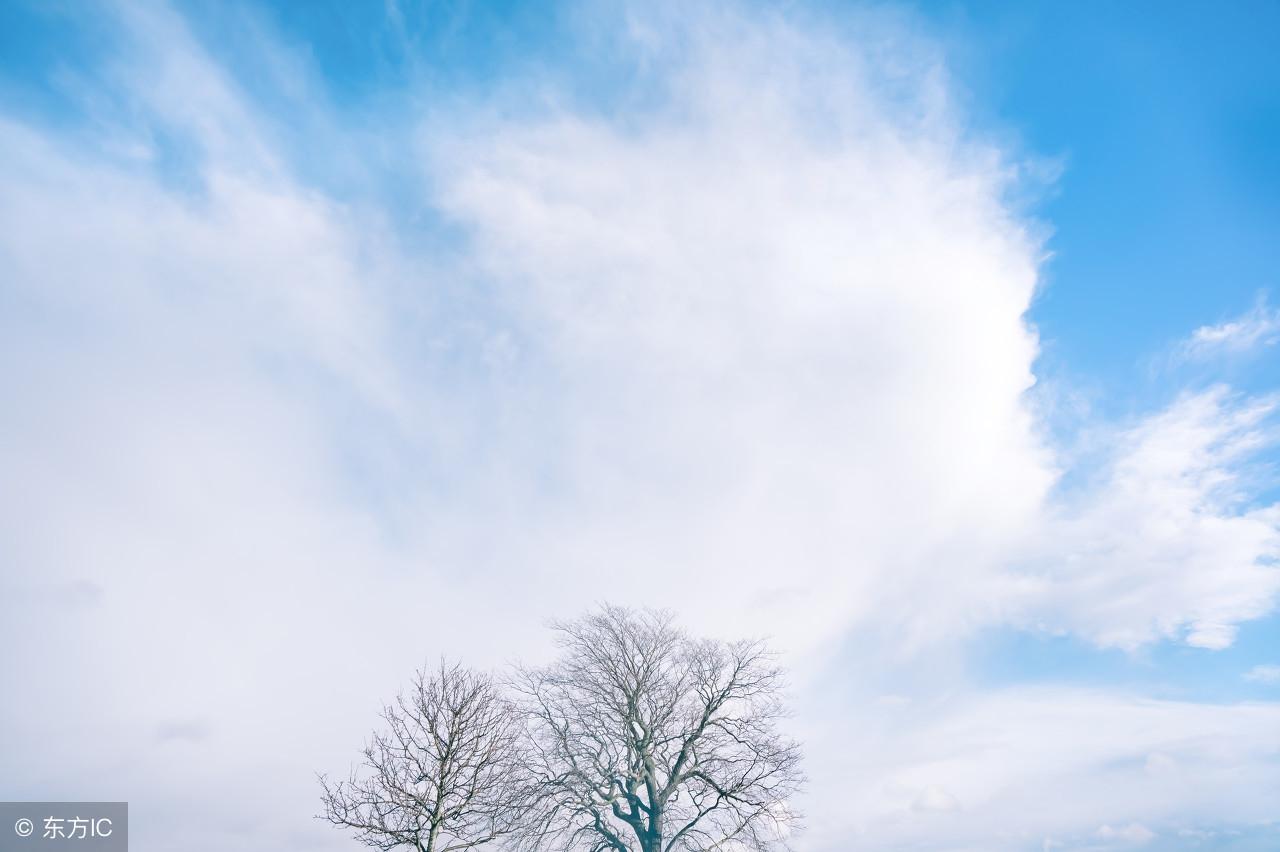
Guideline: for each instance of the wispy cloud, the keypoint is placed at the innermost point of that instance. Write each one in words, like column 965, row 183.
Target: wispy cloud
column 1165, row 541
column 1257, row 329
column 1268, row 674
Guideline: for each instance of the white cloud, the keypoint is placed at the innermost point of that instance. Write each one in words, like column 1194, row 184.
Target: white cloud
column 755, row 350
column 1165, row 543
column 780, row 336
column 1135, row 834
column 1259, row 328
column 1263, row 674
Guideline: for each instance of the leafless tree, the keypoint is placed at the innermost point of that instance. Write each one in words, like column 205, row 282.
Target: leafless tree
column 644, row 739
column 443, row 775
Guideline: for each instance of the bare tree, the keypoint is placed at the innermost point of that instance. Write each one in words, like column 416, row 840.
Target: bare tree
column 443, row 775
column 647, row 740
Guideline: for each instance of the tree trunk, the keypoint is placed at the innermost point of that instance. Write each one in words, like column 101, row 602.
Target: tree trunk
column 652, row 839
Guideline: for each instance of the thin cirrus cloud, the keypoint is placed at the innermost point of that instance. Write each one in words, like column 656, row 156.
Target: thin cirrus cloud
column 1247, row 334
column 755, row 349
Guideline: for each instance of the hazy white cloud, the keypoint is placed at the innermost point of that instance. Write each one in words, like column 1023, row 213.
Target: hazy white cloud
column 754, row 349
column 935, row 798
column 1134, row 834
column 1036, row 765
column 1263, row 674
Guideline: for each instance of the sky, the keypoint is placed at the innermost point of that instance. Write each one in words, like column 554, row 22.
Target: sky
column 936, row 342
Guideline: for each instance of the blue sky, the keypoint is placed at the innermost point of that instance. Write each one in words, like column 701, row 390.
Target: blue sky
column 1164, row 118
column 939, row 339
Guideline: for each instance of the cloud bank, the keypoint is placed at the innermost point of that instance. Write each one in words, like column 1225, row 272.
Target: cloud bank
column 747, row 339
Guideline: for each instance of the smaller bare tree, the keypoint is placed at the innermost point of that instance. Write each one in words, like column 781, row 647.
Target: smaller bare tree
column 443, row 775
